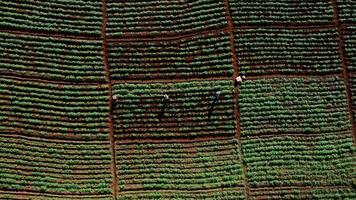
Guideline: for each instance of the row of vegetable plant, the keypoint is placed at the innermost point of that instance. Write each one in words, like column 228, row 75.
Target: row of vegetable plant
column 293, row 105
column 51, row 58
column 350, row 47
column 152, row 17
column 347, row 10
column 320, row 160
column 179, row 166
column 32, row 165
column 271, row 12
column 287, row 50
column 141, row 111
column 82, row 17
column 199, row 56
column 54, row 110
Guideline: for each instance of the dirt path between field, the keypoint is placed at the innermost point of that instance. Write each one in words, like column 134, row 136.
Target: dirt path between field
column 231, row 28
column 108, row 78
column 345, row 72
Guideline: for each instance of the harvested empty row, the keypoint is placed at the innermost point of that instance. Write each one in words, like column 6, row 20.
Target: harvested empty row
column 199, row 56
column 56, row 16
column 293, row 105
column 142, row 112
column 324, row 160
column 152, row 17
column 269, row 12
column 51, row 58
column 52, row 110
column 287, row 51
column 32, row 165
column 179, row 166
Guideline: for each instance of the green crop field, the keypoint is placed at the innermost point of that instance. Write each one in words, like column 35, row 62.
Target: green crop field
column 139, row 99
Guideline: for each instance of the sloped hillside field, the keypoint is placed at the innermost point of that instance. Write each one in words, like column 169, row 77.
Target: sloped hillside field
column 142, row 99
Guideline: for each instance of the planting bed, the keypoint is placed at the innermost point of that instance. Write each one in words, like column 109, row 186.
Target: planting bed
column 291, row 51
column 140, row 113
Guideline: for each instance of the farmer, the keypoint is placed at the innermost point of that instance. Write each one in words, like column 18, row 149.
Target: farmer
column 216, row 97
column 239, row 80
column 165, row 102
column 114, row 102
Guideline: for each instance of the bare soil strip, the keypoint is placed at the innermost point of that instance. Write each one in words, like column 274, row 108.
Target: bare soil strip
column 108, row 78
column 231, row 28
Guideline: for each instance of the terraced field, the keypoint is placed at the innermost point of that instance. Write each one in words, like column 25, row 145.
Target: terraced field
column 136, row 99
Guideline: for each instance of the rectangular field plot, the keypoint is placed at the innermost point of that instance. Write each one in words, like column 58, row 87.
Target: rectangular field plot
column 289, row 51
column 293, row 105
column 54, row 167
column 179, row 166
column 350, row 47
column 270, row 12
column 307, row 192
column 327, row 159
column 53, row 110
column 347, row 10
column 140, row 112
column 55, row 16
column 162, row 17
column 51, row 58
column 200, row 56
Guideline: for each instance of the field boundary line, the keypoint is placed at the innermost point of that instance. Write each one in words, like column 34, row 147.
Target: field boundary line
column 39, row 80
column 111, row 101
column 236, row 96
column 345, row 72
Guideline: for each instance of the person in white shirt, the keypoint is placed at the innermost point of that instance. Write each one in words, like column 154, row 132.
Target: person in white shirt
column 239, row 80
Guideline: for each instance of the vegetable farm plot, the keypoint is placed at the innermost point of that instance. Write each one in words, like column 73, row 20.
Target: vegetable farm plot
column 181, row 169
column 54, row 110
column 80, row 17
column 200, row 56
column 51, row 58
column 163, row 17
column 293, row 105
column 289, row 51
column 141, row 113
column 286, row 12
column 54, row 168
column 350, row 47
column 326, row 193
column 347, row 11
column 316, row 160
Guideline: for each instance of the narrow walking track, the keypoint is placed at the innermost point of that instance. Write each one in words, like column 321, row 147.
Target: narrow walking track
column 236, row 95
column 108, row 78
column 345, row 72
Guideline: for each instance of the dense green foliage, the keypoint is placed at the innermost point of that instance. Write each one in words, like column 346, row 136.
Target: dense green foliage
column 152, row 17
column 249, row 12
column 137, row 113
column 54, row 167
column 287, row 50
column 199, row 56
column 51, row 58
column 294, row 105
column 51, row 110
column 55, row 16
column 179, row 166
